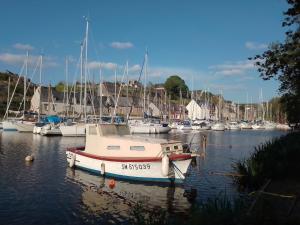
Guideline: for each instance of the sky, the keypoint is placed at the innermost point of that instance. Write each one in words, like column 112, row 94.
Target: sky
column 206, row 42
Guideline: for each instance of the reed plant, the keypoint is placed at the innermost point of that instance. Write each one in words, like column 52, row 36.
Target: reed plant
column 275, row 159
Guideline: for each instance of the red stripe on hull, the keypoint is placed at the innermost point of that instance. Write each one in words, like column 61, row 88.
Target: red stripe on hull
column 172, row 157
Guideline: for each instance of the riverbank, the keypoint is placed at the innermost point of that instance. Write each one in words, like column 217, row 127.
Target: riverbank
column 269, row 182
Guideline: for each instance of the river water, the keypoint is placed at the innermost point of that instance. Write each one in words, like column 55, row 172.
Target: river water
column 48, row 192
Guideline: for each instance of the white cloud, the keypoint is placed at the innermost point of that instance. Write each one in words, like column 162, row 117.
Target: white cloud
column 255, row 46
column 134, row 68
column 121, row 45
column 25, row 47
column 104, row 65
column 238, row 68
column 17, row 59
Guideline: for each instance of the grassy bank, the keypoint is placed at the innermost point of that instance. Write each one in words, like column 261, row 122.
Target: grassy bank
column 276, row 159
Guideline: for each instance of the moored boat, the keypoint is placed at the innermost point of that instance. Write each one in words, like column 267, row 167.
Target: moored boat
column 149, row 127
column 25, row 126
column 9, row 125
column 111, row 151
column 218, row 127
column 73, row 130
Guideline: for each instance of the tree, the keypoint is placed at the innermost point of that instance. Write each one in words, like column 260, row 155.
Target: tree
column 282, row 61
column 60, row 87
column 174, row 84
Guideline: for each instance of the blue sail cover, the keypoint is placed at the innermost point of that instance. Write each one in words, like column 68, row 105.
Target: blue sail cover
column 52, row 119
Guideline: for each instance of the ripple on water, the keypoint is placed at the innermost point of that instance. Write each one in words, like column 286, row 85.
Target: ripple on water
column 48, row 192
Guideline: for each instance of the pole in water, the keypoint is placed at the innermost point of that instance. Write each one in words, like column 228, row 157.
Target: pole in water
column 204, row 144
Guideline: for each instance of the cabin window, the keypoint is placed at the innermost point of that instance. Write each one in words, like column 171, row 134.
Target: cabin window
column 113, row 147
column 137, row 148
column 175, row 147
column 92, row 130
column 168, row 148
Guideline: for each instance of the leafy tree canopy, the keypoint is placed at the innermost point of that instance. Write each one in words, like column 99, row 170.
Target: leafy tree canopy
column 174, row 84
column 60, row 86
column 282, row 61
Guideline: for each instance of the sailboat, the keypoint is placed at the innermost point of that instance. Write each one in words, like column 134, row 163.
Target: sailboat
column 27, row 123
column 9, row 124
column 77, row 129
column 149, row 126
column 219, row 126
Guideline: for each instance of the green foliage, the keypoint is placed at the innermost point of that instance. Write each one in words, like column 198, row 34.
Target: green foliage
column 274, row 159
column 60, row 87
column 174, row 84
column 282, row 61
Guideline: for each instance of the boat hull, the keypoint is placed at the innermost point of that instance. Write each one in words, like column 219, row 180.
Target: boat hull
column 144, row 129
column 25, row 127
column 73, row 131
column 9, row 126
column 141, row 169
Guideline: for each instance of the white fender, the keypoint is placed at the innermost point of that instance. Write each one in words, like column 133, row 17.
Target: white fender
column 72, row 161
column 102, row 171
column 165, row 165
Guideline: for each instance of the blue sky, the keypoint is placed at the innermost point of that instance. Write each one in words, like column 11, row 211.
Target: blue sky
column 206, row 42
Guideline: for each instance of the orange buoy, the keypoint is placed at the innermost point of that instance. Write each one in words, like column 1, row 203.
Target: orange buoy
column 111, row 183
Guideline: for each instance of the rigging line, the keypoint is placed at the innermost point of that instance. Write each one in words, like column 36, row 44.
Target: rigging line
column 180, row 174
column 120, row 88
column 31, row 78
column 94, row 43
column 91, row 96
column 6, row 112
column 135, row 91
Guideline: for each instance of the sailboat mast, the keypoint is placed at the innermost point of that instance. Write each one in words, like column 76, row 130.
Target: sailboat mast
column 25, row 77
column 81, row 77
column 40, row 84
column 100, row 92
column 145, row 81
column 8, row 93
column 127, row 88
column 86, row 69
column 67, row 89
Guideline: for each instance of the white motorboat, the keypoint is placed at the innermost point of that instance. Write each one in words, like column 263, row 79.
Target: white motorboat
column 269, row 125
column 218, row 126
column 73, row 130
column 283, row 126
column 50, row 130
column 149, row 127
column 186, row 125
column 110, row 150
column 258, row 126
column 245, row 126
column 38, row 127
column 233, row 126
column 201, row 125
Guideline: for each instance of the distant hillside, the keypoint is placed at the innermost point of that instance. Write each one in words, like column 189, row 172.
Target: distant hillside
column 4, row 77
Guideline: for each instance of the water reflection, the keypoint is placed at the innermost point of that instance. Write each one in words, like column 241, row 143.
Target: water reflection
column 100, row 198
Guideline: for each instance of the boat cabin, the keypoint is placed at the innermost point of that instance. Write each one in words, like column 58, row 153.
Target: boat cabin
column 114, row 140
